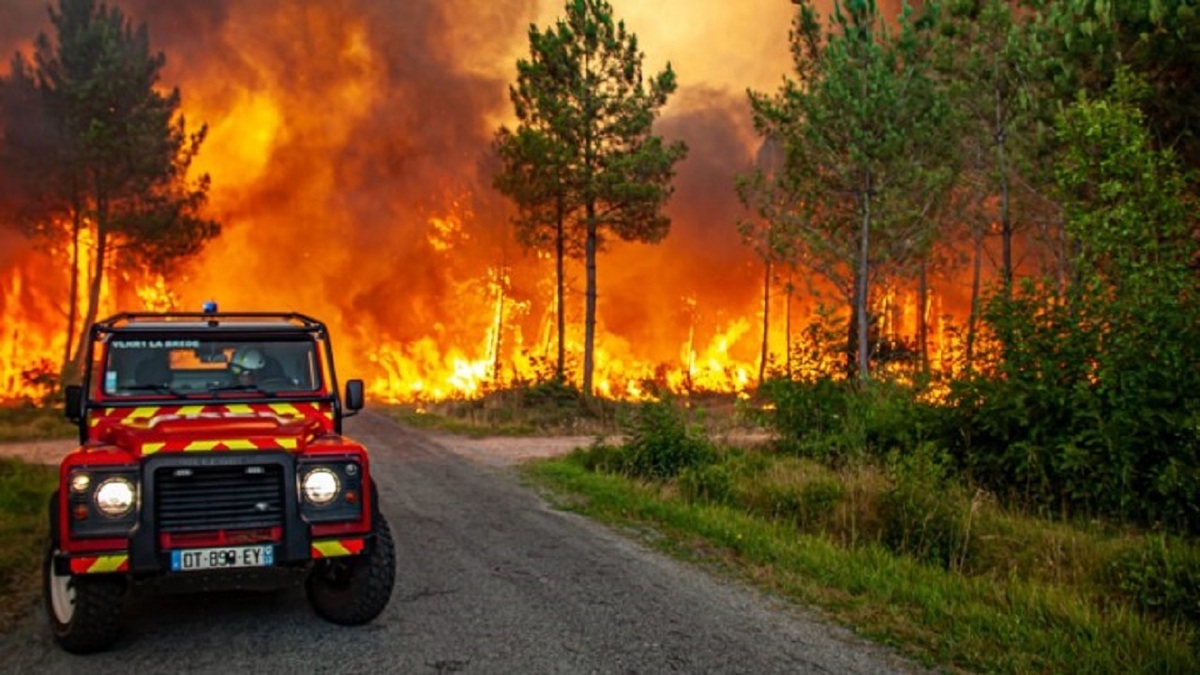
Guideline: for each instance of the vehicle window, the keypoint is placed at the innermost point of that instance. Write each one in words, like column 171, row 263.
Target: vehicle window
column 149, row 366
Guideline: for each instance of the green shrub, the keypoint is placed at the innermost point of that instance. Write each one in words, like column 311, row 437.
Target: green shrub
column 661, row 443
column 815, row 418
column 835, row 420
column 922, row 514
column 1162, row 575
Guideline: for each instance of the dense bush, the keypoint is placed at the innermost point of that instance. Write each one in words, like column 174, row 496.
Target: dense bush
column 924, row 514
column 835, row 420
column 1095, row 409
column 1162, row 575
column 812, row 418
column 660, row 442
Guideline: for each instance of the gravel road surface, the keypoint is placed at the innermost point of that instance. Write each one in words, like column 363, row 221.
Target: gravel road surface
column 490, row 580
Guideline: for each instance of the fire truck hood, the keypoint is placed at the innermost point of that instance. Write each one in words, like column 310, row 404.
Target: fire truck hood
column 212, row 433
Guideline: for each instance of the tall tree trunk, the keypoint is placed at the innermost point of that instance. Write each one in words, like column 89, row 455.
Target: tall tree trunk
column 766, row 326
column 66, row 372
column 589, row 320
column 976, row 283
column 560, row 250
column 95, row 284
column 498, row 326
column 922, row 325
column 861, row 294
column 1006, row 225
column 787, row 330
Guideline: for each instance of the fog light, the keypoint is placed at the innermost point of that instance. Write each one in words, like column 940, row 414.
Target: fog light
column 80, row 482
column 321, row 486
column 114, row 497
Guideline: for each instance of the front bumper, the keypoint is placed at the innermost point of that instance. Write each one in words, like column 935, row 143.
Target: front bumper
column 216, row 500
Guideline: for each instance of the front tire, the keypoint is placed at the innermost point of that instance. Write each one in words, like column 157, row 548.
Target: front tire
column 354, row 590
column 84, row 610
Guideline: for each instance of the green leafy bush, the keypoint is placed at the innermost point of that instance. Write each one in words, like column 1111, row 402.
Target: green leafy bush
column 835, row 420
column 661, row 443
column 923, row 515
column 814, row 418
column 1162, row 576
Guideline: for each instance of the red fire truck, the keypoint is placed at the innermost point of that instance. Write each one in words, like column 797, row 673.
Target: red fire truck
column 211, row 450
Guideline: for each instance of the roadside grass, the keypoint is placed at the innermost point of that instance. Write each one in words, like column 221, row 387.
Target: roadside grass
column 30, row 423
column 1011, row 594
column 24, row 492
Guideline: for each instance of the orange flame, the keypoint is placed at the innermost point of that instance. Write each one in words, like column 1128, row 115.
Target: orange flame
column 349, row 146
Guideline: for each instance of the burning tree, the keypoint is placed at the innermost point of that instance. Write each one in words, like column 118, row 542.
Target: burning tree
column 863, row 131
column 89, row 140
column 583, row 163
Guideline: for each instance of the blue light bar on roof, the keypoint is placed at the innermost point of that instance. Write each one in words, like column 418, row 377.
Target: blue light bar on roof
column 210, row 306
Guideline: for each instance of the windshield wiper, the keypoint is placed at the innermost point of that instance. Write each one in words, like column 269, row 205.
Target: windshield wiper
column 240, row 387
column 155, row 388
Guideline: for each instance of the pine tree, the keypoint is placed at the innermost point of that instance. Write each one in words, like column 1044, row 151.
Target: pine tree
column 116, row 152
column 583, row 161
column 866, row 154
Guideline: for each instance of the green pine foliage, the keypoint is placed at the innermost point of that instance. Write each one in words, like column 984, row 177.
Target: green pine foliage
column 583, row 164
column 89, row 137
column 863, row 131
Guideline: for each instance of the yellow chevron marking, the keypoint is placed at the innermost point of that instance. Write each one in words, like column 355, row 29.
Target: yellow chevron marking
column 239, row 409
column 230, row 444
column 143, row 413
column 285, row 409
column 151, row 448
column 288, row 443
column 191, row 410
column 331, row 549
column 108, row 563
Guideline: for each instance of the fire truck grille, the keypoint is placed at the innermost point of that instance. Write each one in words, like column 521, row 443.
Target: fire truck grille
column 219, row 498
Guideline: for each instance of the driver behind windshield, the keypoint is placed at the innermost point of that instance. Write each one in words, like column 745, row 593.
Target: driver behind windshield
column 251, row 366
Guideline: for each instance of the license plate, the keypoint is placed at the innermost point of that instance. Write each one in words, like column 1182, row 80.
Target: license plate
column 225, row 557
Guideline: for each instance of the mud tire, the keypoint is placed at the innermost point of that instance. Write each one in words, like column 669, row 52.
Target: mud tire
column 84, row 611
column 354, row 590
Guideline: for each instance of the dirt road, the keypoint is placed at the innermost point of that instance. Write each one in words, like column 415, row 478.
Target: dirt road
column 490, row 580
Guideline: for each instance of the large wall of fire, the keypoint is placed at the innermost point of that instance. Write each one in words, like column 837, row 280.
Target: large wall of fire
column 349, row 147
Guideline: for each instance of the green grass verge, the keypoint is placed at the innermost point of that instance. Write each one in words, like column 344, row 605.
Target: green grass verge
column 27, row 423
column 980, row 623
column 24, row 492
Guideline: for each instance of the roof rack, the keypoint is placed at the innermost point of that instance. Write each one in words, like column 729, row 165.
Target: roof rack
column 212, row 319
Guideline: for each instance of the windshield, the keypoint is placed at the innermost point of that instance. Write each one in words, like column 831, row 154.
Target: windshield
column 141, row 366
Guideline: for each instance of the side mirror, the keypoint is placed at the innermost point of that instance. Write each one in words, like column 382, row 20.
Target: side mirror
column 74, row 402
column 354, row 396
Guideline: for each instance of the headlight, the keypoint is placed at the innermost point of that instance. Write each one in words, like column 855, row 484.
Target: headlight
column 114, row 497
column 321, row 486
